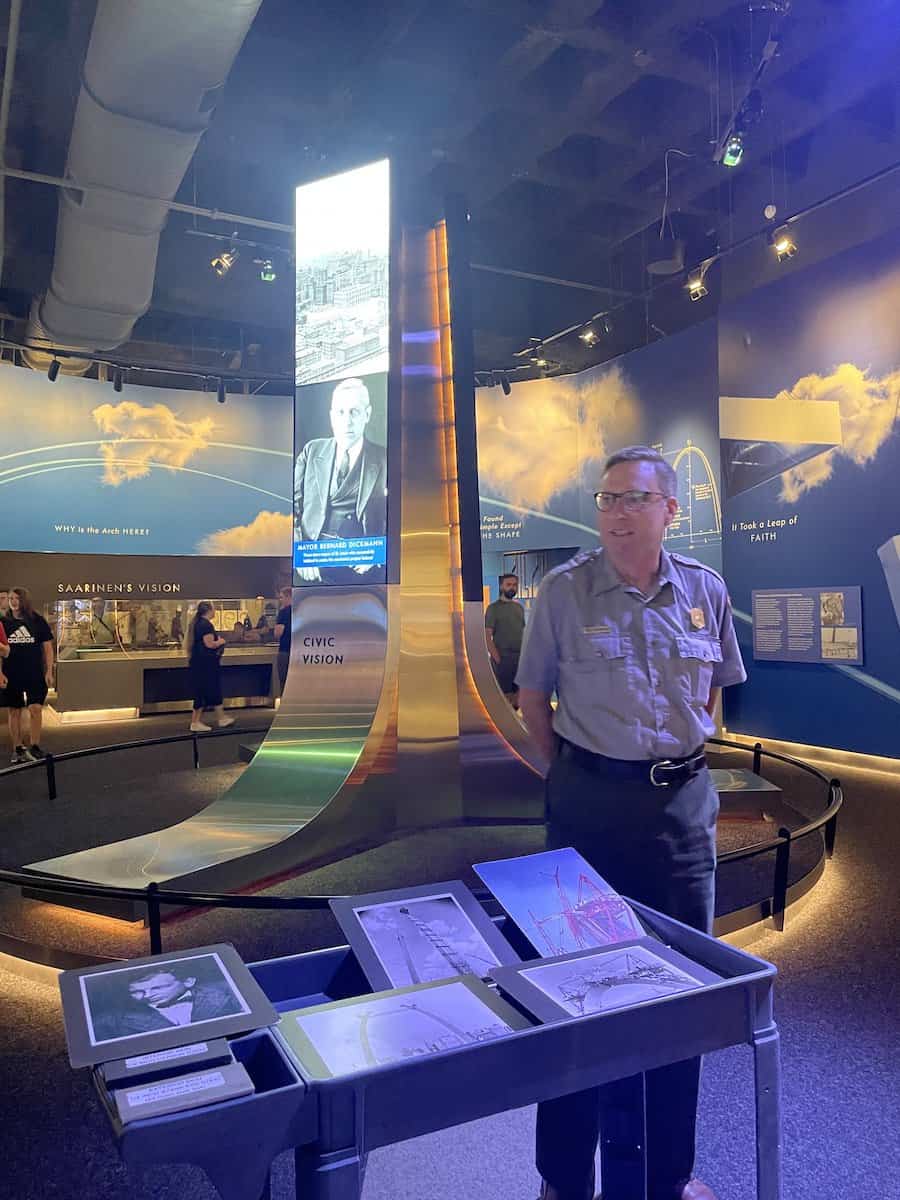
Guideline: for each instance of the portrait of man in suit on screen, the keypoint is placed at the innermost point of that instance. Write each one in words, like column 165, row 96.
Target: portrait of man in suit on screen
column 162, row 996
column 340, row 482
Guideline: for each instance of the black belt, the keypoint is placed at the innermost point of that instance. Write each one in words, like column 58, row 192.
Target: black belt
column 661, row 772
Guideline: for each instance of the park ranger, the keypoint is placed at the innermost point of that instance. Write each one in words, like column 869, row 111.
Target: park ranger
column 636, row 642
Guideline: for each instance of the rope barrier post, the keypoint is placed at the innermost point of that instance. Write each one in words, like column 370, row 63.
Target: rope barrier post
column 834, row 788
column 196, row 748
column 50, row 764
column 757, row 758
column 780, row 882
column 153, row 919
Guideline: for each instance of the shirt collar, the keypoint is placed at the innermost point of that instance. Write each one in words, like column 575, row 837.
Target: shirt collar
column 607, row 577
column 353, row 452
column 186, row 997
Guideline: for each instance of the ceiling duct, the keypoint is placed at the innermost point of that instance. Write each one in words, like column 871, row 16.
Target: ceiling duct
column 152, row 76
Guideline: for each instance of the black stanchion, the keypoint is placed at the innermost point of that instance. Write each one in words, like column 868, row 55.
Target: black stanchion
column 153, row 919
column 50, row 764
column 834, row 793
column 757, row 758
column 780, row 882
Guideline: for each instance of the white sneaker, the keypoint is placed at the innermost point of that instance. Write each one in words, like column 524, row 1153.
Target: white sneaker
column 225, row 722
column 199, row 727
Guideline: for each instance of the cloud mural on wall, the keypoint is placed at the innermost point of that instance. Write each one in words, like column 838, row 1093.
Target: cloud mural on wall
column 869, row 409
column 533, row 445
column 144, row 436
column 268, row 534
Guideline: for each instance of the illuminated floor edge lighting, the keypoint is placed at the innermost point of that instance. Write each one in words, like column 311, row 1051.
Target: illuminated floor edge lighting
column 32, row 971
column 91, row 716
column 823, row 755
column 749, row 935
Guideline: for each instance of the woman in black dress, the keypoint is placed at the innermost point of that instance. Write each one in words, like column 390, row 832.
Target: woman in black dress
column 204, row 650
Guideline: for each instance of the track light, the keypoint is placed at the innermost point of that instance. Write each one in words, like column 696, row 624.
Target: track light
column 782, row 243
column 543, row 363
column 53, row 370
column 505, row 384
column 267, row 272
column 589, row 335
column 117, row 379
column 696, row 287
column 734, row 150
column 222, row 263
column 220, row 391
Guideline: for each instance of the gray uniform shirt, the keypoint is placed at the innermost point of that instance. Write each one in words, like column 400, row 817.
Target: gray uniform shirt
column 632, row 672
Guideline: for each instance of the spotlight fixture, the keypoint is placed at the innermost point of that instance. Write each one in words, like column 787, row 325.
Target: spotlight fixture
column 589, row 336
column 734, row 150
column 53, row 370
column 117, row 379
column 696, row 286
column 783, row 243
column 543, row 363
column 223, row 262
column 505, row 384
column 220, row 391
column 267, row 272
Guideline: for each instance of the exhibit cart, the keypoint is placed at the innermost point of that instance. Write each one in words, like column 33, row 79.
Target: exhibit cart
column 303, row 1100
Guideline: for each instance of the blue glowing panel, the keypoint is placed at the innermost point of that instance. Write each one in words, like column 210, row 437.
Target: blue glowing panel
column 342, row 363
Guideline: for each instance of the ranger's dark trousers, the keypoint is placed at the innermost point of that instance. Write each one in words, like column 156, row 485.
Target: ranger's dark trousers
column 656, row 846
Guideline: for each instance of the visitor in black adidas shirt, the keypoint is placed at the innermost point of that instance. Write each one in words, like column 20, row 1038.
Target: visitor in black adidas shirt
column 4, row 652
column 29, row 673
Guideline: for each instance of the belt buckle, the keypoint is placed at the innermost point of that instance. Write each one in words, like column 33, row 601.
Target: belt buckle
column 663, row 762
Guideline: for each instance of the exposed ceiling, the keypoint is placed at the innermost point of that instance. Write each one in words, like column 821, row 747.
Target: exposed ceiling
column 553, row 119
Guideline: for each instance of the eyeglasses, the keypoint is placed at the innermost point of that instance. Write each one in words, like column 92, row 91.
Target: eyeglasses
column 632, row 502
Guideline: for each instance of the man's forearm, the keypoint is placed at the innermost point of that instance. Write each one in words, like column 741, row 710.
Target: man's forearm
column 48, row 657
column 492, row 649
column 538, row 717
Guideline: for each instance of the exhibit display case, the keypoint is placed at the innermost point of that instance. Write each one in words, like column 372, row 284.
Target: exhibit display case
column 126, row 657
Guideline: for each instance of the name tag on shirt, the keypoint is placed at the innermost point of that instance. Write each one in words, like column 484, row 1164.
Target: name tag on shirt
column 589, row 629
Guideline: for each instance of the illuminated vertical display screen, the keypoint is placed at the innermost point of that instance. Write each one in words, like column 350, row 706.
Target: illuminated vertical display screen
column 342, row 356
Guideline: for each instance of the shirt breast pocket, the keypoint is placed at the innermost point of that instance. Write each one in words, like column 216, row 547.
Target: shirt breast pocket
column 697, row 657
column 606, row 652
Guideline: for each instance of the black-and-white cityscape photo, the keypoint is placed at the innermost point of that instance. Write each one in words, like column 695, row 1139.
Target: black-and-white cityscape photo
column 419, row 940
column 382, row 1029
column 343, row 257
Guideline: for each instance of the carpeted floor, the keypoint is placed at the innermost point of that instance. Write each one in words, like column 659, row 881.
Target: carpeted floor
column 837, row 1008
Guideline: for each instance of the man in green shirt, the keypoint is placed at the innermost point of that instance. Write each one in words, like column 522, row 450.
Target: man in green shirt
column 504, row 623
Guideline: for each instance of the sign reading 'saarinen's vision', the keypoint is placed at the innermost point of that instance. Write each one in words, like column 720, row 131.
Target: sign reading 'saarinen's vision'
column 118, row 589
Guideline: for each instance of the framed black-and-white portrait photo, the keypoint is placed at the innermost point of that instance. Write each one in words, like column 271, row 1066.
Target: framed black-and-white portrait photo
column 421, row 934
column 601, row 980
column 148, row 1004
column 366, row 1032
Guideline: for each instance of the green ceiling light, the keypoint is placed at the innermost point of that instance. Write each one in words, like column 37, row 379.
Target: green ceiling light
column 734, row 150
column 267, row 272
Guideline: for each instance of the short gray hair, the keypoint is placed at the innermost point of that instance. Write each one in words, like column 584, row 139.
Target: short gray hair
column 665, row 475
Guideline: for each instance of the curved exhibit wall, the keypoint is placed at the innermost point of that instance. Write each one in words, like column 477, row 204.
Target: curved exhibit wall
column 144, row 471
column 541, row 449
column 810, row 387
